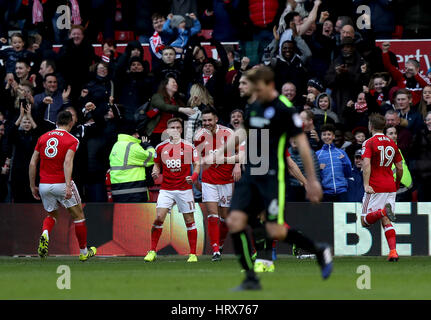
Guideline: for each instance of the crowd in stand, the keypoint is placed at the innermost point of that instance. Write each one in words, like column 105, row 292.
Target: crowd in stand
column 332, row 72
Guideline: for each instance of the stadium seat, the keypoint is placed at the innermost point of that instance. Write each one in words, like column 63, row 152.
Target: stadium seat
column 206, row 33
column 124, row 36
column 398, row 32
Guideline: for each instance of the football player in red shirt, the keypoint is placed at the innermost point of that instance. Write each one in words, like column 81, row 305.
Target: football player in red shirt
column 378, row 154
column 56, row 150
column 218, row 179
column 175, row 157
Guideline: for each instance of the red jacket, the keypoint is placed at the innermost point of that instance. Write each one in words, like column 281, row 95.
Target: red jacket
column 263, row 12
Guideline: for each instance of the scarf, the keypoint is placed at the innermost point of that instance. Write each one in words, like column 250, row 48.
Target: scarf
column 157, row 42
column 38, row 11
column 361, row 107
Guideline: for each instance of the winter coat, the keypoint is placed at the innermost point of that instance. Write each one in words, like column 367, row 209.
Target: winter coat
column 337, row 168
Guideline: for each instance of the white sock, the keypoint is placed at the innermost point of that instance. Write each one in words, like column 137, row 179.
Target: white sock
column 83, row 251
column 45, row 232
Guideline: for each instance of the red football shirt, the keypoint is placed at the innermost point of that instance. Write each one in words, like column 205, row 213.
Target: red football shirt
column 52, row 147
column 383, row 152
column 206, row 143
column 176, row 160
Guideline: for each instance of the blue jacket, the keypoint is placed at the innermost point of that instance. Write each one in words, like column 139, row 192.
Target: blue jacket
column 182, row 35
column 337, row 168
column 356, row 186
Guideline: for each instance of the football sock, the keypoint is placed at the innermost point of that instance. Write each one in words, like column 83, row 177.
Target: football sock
column 223, row 231
column 390, row 236
column 301, row 241
column 213, row 232
column 375, row 216
column 192, row 235
column 268, row 248
column 156, row 232
column 81, row 234
column 259, row 240
column 241, row 244
column 48, row 224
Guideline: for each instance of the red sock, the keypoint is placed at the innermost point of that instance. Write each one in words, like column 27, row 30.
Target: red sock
column 192, row 235
column 48, row 224
column 213, row 232
column 223, row 231
column 375, row 216
column 390, row 236
column 81, row 233
column 156, row 232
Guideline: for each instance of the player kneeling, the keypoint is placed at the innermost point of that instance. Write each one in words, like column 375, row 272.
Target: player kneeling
column 175, row 156
column 56, row 150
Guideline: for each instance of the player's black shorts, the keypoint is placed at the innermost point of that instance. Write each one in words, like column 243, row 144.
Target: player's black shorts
column 254, row 194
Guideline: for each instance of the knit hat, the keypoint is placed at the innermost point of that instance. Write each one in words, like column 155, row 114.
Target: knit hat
column 135, row 59
column 315, row 83
column 176, row 20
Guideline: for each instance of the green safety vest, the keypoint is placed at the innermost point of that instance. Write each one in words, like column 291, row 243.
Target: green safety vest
column 128, row 161
column 406, row 179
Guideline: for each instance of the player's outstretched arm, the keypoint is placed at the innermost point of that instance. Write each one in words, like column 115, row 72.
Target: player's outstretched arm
column 295, row 171
column 32, row 175
column 398, row 173
column 312, row 187
column 366, row 172
column 68, row 169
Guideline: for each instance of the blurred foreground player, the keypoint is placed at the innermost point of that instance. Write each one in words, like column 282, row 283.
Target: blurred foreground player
column 378, row 154
column 262, row 185
column 56, row 150
column 175, row 157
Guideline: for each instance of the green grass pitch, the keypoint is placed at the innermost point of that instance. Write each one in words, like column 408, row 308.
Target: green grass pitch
column 171, row 278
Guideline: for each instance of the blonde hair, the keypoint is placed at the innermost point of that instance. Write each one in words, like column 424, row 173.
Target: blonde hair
column 422, row 109
column 200, row 95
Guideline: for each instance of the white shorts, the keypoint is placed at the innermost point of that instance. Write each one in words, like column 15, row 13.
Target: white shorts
column 220, row 193
column 183, row 198
column 376, row 201
column 53, row 193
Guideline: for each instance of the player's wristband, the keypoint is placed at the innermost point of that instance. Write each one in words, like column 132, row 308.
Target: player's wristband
column 195, row 176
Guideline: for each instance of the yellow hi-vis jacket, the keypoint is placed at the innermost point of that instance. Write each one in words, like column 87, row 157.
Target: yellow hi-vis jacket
column 128, row 160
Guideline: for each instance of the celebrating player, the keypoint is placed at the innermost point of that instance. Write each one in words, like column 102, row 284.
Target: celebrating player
column 175, row 157
column 56, row 150
column 218, row 179
column 378, row 154
column 274, row 120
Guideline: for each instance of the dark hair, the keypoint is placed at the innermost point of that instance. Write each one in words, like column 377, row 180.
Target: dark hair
column 388, row 127
column 169, row 48
column 327, row 127
column 50, row 63
column 64, row 118
column 289, row 17
column 49, row 75
column 24, row 60
column 209, row 109
column 403, row 91
column 377, row 121
column 19, row 35
column 156, row 15
column 110, row 42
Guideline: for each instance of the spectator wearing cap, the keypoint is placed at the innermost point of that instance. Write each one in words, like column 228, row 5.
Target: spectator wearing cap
column 175, row 26
column 355, row 188
column 133, row 49
column 133, row 88
column 314, row 88
column 345, row 76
